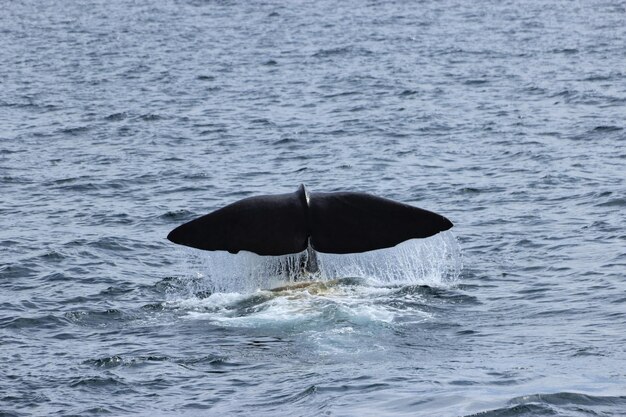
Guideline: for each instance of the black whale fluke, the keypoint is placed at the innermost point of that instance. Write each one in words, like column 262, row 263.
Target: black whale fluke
column 344, row 222
column 267, row 225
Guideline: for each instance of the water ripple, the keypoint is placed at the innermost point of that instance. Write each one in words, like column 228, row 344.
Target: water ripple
column 120, row 120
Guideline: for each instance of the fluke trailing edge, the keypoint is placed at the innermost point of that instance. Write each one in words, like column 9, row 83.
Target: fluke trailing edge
column 343, row 222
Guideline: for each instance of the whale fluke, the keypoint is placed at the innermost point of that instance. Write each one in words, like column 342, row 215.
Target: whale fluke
column 266, row 225
column 343, row 222
column 356, row 222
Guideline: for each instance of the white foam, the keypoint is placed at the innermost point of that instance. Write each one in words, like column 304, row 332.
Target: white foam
column 301, row 309
column 215, row 301
column 331, row 310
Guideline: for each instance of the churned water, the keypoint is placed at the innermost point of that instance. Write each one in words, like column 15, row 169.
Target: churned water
column 120, row 120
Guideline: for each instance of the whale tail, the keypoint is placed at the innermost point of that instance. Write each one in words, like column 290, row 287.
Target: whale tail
column 342, row 222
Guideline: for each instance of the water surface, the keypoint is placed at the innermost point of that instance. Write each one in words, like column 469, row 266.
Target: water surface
column 120, row 120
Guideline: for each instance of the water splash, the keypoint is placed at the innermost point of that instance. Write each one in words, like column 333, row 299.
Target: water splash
column 435, row 261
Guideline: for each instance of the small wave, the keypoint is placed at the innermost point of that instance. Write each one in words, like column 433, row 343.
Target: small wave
column 284, row 141
column 534, row 90
column 115, row 117
column 475, row 82
column 56, row 276
column 559, row 404
column 80, row 187
column 67, row 180
column 117, row 361
column 341, row 94
column 42, row 322
column 565, row 51
column 7, row 243
column 169, row 284
column 293, row 398
column 16, row 271
column 571, row 398
column 603, row 77
column 614, row 202
column 86, row 184
column 588, row 351
column 262, row 121
column 110, row 243
column 96, row 318
column 74, row 131
column 526, row 410
column 111, row 218
column 408, row 93
column 607, row 128
column 438, row 293
column 96, row 382
column 211, row 360
column 8, row 179
column 51, row 256
column 341, row 51
column 11, row 151
column 176, row 215
column 115, row 290
column 150, row 117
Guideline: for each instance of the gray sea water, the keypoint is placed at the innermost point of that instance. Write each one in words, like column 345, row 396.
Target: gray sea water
column 120, row 120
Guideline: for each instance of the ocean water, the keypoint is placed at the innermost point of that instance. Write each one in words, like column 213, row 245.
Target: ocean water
column 120, row 120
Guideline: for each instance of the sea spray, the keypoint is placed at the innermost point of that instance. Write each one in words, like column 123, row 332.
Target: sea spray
column 435, row 261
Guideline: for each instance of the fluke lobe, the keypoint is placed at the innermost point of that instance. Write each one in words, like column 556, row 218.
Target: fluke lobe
column 341, row 222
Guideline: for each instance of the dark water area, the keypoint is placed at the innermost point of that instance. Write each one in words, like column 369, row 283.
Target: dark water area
column 120, row 120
